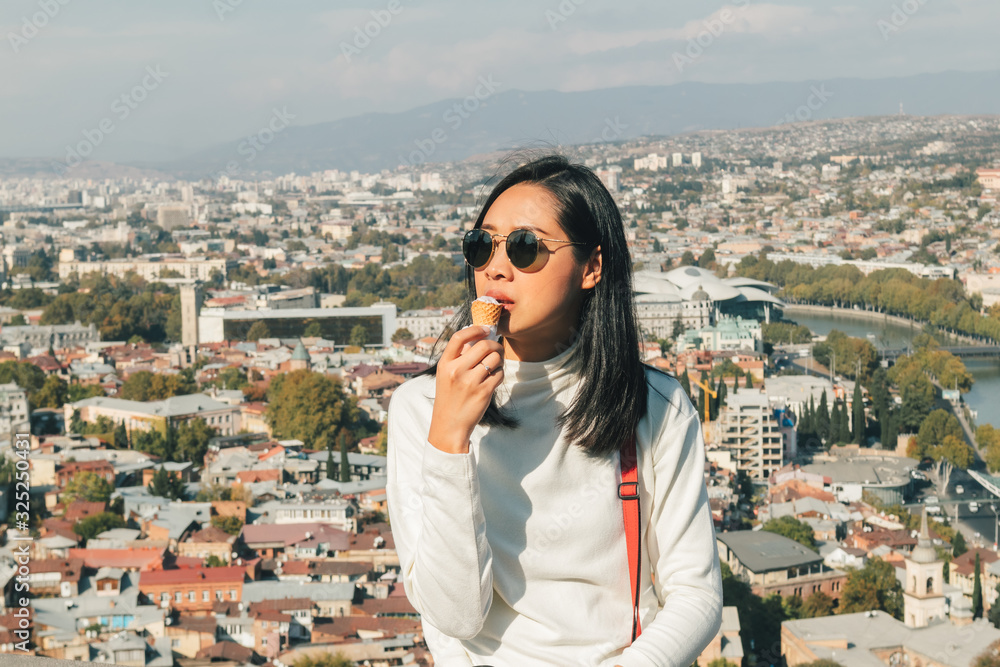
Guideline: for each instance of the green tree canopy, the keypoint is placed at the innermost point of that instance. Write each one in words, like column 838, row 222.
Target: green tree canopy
column 310, row 407
column 88, row 487
column 146, row 386
column 793, row 529
column 873, row 588
column 257, row 331
column 816, row 605
column 166, row 485
column 95, row 524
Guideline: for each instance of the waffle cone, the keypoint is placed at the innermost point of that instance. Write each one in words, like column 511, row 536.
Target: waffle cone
column 486, row 314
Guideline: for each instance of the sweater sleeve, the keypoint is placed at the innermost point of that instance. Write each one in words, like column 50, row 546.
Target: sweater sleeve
column 437, row 523
column 680, row 540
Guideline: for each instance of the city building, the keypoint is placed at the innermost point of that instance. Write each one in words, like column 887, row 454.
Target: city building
column 851, row 474
column 13, row 410
column 425, row 322
column 876, row 638
column 744, row 297
column 748, row 428
column 193, row 589
column 336, row 324
column 54, row 336
column 728, row 333
column 773, row 563
column 136, row 415
column 151, row 267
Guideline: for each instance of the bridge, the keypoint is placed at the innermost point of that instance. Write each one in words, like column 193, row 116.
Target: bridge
column 966, row 352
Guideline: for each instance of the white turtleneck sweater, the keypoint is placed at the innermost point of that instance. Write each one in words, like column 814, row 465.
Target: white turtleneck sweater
column 515, row 553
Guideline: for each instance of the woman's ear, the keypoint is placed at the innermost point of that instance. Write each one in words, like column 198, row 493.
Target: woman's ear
column 592, row 270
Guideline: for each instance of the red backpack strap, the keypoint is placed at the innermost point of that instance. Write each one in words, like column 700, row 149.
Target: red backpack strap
column 628, row 491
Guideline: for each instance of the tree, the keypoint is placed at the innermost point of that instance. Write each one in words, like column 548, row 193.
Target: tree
column 95, row 524
column 994, row 613
column 686, row 383
column 760, row 619
column 858, row 414
column 950, row 454
column 26, row 376
column 228, row 524
column 52, row 394
column 873, row 587
column 257, row 331
column 793, row 529
column 938, row 425
column 749, row 378
column 88, row 487
column 988, row 441
column 707, row 259
column 359, row 336
column 120, row 437
column 193, row 437
column 816, row 605
column 166, row 485
column 402, row 334
column 977, row 590
column 310, row 407
column 958, row 546
column 215, row 561
column 313, row 330
column 345, row 466
column 687, row 259
column 822, row 423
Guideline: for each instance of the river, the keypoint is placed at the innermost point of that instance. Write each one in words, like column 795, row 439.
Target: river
column 985, row 395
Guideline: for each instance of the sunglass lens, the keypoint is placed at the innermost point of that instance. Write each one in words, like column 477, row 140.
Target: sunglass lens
column 522, row 248
column 477, row 246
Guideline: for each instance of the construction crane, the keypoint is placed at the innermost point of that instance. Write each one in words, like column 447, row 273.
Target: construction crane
column 707, row 388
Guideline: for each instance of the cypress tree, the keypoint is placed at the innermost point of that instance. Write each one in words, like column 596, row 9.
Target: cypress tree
column 686, row 383
column 858, row 414
column 345, row 466
column 749, row 383
column 329, row 462
column 823, row 418
column 977, row 592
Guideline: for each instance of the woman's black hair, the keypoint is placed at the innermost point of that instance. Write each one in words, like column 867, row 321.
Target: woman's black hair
column 612, row 395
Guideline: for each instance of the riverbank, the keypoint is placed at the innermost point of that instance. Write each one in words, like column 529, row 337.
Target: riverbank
column 874, row 315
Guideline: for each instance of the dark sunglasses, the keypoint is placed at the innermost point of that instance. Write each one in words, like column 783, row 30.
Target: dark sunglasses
column 523, row 247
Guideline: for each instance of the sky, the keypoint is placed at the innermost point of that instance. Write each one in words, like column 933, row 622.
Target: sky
column 146, row 80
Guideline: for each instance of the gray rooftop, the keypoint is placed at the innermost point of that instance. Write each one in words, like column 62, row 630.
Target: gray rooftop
column 176, row 406
column 760, row 551
column 864, row 632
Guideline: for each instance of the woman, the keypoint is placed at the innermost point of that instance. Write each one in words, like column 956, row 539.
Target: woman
column 504, row 458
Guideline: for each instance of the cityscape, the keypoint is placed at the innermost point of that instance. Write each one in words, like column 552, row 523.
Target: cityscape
column 199, row 374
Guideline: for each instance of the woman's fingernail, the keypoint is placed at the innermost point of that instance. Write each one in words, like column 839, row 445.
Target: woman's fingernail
column 487, row 328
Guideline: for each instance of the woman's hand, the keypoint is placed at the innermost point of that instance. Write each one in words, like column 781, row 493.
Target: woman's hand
column 464, row 387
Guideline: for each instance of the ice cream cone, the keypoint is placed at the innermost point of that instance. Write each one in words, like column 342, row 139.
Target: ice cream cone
column 486, row 311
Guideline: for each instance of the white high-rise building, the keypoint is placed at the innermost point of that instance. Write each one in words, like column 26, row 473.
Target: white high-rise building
column 677, row 159
column 696, row 160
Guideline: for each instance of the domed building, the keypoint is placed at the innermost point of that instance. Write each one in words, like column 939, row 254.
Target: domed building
column 691, row 297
